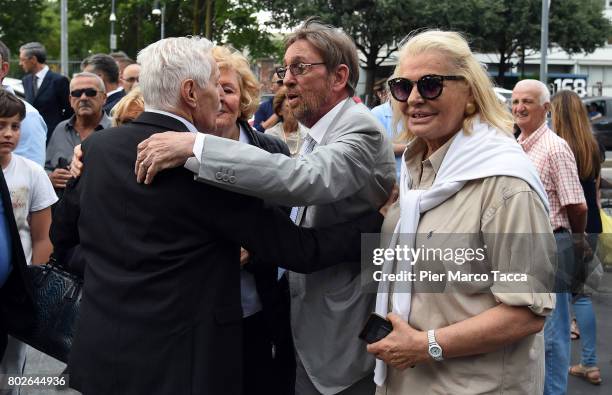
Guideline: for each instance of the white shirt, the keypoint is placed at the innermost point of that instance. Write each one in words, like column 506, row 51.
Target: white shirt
column 31, row 191
column 115, row 91
column 185, row 122
column 41, row 75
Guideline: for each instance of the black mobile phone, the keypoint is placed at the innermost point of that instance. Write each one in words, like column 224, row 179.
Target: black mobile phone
column 62, row 163
column 375, row 329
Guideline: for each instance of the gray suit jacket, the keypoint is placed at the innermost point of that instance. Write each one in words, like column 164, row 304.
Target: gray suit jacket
column 350, row 172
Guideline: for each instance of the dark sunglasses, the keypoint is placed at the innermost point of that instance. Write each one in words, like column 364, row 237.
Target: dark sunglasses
column 429, row 86
column 89, row 92
column 131, row 80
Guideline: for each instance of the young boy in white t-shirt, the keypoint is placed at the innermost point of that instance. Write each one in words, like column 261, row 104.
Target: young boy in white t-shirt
column 31, row 190
column 32, row 196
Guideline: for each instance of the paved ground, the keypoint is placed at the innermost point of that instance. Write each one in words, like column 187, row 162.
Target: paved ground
column 38, row 363
column 602, row 302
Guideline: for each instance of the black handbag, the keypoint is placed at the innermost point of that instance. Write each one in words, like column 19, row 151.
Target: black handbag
column 57, row 297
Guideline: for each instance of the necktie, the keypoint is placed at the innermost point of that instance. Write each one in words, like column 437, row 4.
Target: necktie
column 298, row 212
column 309, row 144
column 35, row 85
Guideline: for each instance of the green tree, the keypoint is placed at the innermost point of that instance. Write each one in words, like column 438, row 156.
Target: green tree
column 15, row 29
column 510, row 27
column 376, row 26
column 232, row 22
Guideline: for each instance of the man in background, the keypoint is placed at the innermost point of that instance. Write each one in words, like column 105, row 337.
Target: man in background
column 33, row 127
column 46, row 90
column 105, row 67
column 87, row 98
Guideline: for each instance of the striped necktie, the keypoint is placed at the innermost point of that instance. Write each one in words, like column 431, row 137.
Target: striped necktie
column 309, row 145
column 35, row 84
column 297, row 213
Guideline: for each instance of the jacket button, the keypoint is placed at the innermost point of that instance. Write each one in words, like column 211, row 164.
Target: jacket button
column 218, row 175
column 232, row 180
column 225, row 177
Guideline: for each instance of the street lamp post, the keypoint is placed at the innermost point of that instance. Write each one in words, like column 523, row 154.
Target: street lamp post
column 64, row 37
column 112, row 18
column 162, row 12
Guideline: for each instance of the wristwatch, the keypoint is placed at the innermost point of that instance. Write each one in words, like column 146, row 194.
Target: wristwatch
column 435, row 351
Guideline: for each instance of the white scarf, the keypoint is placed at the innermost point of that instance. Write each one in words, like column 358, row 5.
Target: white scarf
column 486, row 152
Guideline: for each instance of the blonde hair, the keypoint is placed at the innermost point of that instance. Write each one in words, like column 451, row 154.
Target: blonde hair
column 457, row 51
column 232, row 60
column 571, row 122
column 132, row 103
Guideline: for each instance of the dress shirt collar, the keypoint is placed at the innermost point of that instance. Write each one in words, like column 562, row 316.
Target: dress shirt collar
column 115, row 91
column 319, row 129
column 41, row 74
column 244, row 137
column 185, row 122
column 105, row 122
column 528, row 142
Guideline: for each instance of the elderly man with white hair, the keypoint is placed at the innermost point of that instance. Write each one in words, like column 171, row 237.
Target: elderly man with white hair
column 161, row 311
column 556, row 166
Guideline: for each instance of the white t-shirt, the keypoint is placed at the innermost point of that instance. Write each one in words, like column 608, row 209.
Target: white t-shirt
column 31, row 191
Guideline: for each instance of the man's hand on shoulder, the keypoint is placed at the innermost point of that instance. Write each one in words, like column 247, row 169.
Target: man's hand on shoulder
column 162, row 151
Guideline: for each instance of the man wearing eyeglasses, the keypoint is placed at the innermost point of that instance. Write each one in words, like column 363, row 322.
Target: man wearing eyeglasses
column 345, row 168
column 87, row 97
column 130, row 76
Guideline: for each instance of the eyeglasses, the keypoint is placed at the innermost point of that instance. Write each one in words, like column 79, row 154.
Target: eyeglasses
column 131, row 80
column 89, row 92
column 429, row 86
column 296, row 69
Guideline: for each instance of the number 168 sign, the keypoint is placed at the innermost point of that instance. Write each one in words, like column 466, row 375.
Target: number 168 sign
column 576, row 84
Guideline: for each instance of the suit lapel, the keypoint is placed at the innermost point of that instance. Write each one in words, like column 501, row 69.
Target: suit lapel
column 27, row 86
column 45, row 82
column 329, row 133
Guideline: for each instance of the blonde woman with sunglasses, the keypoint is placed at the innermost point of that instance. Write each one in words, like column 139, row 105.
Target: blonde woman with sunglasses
column 461, row 324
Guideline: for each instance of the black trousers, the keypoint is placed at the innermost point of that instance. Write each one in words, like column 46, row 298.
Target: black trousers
column 258, row 370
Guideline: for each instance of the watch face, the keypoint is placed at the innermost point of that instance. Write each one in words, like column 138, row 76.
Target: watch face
column 435, row 351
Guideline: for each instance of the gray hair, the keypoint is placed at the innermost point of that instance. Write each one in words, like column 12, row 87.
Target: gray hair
column 86, row 74
column 544, row 92
column 335, row 46
column 35, row 49
column 165, row 64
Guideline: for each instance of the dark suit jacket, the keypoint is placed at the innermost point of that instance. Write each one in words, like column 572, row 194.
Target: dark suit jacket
column 161, row 307
column 16, row 308
column 52, row 99
column 112, row 100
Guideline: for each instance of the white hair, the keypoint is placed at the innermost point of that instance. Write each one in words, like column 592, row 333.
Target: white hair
column 165, row 64
column 544, row 92
column 86, row 74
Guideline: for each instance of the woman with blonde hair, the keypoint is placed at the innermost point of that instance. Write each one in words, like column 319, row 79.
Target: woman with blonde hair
column 288, row 128
column 571, row 122
column 265, row 319
column 465, row 185
column 128, row 108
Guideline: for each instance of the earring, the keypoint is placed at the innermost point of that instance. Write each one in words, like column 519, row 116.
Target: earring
column 470, row 109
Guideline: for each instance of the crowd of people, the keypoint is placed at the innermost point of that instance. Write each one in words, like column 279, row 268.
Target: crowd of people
column 221, row 256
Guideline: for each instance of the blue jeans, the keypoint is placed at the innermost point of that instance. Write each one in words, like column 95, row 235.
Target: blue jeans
column 557, row 346
column 585, row 317
column 557, row 327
